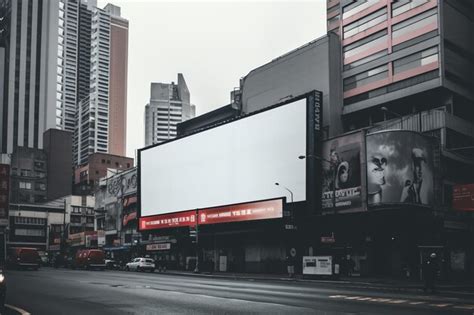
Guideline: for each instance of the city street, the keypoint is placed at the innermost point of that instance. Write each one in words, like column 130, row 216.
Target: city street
column 63, row 291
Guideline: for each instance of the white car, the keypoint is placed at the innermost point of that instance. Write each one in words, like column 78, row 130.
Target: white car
column 141, row 264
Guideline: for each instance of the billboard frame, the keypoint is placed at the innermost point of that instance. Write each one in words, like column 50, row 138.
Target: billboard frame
column 314, row 130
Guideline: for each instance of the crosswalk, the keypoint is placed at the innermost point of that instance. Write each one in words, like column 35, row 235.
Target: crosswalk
column 433, row 304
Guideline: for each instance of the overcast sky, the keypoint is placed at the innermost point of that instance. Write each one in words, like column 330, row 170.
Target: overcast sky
column 212, row 43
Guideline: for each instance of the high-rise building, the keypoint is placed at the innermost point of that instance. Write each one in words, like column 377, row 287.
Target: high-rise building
column 118, row 81
column 101, row 111
column 169, row 105
column 32, row 71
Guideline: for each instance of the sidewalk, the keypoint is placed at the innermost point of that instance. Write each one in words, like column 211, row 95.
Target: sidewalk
column 388, row 284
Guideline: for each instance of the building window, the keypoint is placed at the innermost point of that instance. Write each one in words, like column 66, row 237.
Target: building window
column 366, row 77
column 40, row 186
column 29, row 232
column 365, row 23
column 414, row 23
column 365, row 44
column 25, row 185
column 25, row 172
column 366, row 60
column 356, row 7
column 416, row 60
column 404, row 6
column 103, row 161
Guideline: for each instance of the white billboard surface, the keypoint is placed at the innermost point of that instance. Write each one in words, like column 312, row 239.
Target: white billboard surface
column 234, row 163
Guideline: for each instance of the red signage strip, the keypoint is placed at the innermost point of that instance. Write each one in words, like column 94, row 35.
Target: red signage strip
column 463, row 197
column 179, row 219
column 262, row 210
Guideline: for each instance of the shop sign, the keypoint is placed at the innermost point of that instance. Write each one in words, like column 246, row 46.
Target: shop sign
column 4, row 193
column 160, row 246
column 100, row 238
column 328, row 239
column 57, row 241
column 54, row 247
column 179, row 219
column 463, row 197
column 317, row 265
column 127, row 218
column 262, row 210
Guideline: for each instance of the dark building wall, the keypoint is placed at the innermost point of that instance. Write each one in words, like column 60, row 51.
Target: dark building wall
column 214, row 117
column 87, row 176
column 28, row 175
column 315, row 66
column 58, row 147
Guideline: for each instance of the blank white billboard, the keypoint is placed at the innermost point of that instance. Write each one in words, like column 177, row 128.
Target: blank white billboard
column 233, row 163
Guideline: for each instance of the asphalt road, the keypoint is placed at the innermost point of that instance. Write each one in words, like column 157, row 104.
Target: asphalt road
column 63, row 291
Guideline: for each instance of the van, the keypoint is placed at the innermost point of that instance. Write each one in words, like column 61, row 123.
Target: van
column 24, row 258
column 89, row 259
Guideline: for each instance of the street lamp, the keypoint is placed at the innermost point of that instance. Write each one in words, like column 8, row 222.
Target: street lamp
column 302, row 157
column 291, row 193
column 386, row 110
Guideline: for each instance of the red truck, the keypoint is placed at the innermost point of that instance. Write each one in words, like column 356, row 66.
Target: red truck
column 89, row 259
column 24, row 258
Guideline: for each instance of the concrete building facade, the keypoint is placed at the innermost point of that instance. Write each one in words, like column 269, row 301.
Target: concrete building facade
column 314, row 66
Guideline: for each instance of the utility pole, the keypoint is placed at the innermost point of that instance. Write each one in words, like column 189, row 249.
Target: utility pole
column 196, row 269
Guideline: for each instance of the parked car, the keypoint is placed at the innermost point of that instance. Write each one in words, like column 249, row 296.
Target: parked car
column 111, row 264
column 89, row 259
column 24, row 258
column 141, row 264
column 3, row 289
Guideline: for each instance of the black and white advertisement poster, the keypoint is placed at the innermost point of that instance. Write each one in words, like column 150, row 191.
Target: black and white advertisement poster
column 399, row 168
column 342, row 172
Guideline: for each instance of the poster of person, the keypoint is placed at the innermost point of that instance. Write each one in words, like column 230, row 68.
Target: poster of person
column 399, row 168
column 342, row 172
column 113, row 213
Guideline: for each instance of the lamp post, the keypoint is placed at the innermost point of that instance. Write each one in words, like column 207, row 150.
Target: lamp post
column 291, row 193
column 386, row 110
column 302, row 157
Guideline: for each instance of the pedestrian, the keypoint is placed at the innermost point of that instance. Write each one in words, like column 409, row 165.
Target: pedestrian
column 430, row 271
column 290, row 266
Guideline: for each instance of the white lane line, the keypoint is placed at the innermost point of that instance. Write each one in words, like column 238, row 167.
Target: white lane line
column 397, row 301
column 465, row 307
column 417, row 303
column 337, row 296
column 440, row 305
column 19, row 310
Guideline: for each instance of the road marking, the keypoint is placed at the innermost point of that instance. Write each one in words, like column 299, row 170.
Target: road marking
column 19, row 310
column 397, row 301
column 465, row 307
column 337, row 296
column 417, row 303
column 440, row 305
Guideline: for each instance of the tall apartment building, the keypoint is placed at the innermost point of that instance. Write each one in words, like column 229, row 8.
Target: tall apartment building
column 118, row 81
column 101, row 113
column 32, row 71
column 169, row 105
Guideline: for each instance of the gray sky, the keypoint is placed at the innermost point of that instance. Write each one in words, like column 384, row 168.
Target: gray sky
column 212, row 43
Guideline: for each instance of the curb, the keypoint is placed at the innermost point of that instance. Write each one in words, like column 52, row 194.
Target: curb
column 17, row 309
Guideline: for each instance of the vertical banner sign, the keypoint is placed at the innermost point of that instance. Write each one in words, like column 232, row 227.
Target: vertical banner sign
column 4, row 193
column 313, row 148
column 343, row 175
